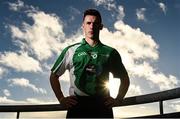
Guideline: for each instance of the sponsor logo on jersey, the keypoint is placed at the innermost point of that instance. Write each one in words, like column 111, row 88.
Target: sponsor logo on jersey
column 82, row 53
column 94, row 55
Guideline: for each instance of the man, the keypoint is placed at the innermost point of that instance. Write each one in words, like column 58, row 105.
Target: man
column 89, row 64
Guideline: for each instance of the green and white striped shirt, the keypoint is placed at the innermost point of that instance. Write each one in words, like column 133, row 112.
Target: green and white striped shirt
column 89, row 67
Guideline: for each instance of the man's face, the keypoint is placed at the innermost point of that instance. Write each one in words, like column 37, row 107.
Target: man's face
column 91, row 26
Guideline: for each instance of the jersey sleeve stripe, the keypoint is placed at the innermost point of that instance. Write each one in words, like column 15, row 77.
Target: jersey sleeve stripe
column 59, row 61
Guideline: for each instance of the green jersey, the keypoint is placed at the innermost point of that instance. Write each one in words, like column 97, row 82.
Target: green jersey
column 89, row 67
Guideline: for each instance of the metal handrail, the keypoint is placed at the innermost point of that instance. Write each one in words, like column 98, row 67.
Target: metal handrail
column 141, row 99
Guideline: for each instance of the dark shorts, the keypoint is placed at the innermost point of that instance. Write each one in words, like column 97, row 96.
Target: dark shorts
column 89, row 107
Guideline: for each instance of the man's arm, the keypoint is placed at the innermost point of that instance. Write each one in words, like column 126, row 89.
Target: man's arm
column 119, row 71
column 67, row 102
column 55, row 84
column 123, row 88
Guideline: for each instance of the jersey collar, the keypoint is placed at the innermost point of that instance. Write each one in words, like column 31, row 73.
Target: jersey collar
column 83, row 42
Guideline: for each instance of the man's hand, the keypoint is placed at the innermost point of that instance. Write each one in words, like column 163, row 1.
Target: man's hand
column 69, row 101
column 111, row 102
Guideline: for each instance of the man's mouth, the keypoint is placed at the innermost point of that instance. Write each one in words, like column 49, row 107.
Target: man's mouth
column 91, row 32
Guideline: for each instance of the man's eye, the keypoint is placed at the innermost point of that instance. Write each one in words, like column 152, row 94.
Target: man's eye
column 96, row 23
column 88, row 22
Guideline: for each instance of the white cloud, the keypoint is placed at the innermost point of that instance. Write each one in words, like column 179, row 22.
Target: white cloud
column 117, row 11
column 3, row 72
column 175, row 105
column 164, row 82
column 6, row 92
column 163, row 7
column 16, row 6
column 140, row 13
column 73, row 12
column 108, row 4
column 136, row 110
column 26, row 84
column 134, row 90
column 131, row 42
column 138, row 50
column 20, row 6
column 20, row 62
column 42, row 38
column 121, row 13
column 5, row 100
column 38, row 101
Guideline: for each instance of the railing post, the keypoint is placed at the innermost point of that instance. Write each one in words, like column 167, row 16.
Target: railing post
column 18, row 113
column 161, row 107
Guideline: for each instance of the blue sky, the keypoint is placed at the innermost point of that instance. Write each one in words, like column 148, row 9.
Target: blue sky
column 33, row 33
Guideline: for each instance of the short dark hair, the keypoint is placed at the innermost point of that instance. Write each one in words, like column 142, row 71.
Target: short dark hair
column 93, row 12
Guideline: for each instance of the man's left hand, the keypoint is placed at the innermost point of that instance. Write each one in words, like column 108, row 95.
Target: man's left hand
column 111, row 102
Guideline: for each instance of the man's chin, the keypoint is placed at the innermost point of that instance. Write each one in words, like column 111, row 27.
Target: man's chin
column 93, row 37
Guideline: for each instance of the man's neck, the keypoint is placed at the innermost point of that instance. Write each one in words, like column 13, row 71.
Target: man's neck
column 92, row 42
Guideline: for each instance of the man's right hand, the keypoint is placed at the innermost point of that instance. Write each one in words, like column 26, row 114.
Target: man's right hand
column 69, row 101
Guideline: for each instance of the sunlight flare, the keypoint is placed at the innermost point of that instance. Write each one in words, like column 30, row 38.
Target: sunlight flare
column 112, row 85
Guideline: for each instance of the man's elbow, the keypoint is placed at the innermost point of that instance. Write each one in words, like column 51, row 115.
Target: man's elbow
column 53, row 77
column 126, row 81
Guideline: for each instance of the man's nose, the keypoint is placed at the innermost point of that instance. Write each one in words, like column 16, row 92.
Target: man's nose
column 91, row 25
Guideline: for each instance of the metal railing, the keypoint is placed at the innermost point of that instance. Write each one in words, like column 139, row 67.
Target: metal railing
column 141, row 99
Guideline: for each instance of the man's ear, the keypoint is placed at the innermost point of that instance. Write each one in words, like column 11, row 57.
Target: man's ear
column 82, row 26
column 101, row 27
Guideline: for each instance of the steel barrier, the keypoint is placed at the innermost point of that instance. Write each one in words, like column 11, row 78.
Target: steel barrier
column 141, row 99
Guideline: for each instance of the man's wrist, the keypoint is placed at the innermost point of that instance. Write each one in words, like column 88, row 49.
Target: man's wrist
column 60, row 100
column 119, row 99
